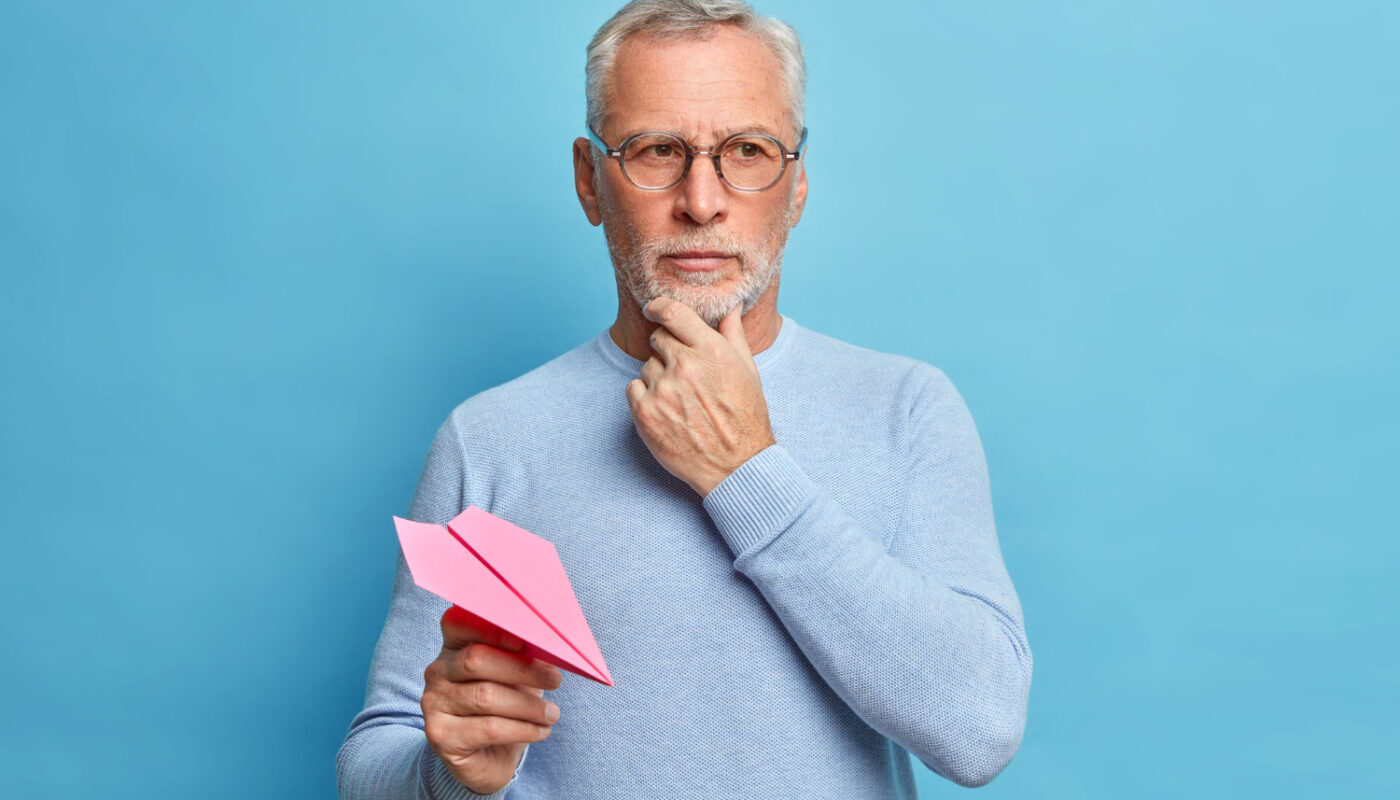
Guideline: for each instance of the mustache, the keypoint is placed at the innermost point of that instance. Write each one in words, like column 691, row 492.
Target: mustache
column 714, row 240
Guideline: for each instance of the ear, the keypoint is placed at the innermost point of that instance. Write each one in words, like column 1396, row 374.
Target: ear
column 583, row 180
column 799, row 192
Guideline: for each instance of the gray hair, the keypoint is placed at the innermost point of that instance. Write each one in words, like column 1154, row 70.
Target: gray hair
column 691, row 18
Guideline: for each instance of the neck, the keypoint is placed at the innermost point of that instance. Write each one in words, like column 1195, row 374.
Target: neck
column 632, row 331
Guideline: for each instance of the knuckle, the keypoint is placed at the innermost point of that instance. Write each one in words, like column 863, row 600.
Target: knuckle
column 432, row 730
column 492, row 729
column 483, row 695
column 474, row 658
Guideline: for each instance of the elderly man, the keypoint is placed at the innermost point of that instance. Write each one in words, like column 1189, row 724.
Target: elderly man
column 784, row 544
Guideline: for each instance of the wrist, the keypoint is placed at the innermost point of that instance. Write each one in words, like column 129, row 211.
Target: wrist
column 704, row 488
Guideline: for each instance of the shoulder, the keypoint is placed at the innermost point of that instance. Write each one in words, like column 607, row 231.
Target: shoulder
column 542, row 393
column 845, row 364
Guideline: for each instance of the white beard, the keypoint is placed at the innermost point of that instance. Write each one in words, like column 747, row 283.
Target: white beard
column 637, row 265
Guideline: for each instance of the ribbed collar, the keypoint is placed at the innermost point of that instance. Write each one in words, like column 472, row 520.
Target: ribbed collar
column 630, row 366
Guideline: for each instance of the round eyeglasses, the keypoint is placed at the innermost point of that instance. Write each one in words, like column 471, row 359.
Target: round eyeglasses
column 748, row 162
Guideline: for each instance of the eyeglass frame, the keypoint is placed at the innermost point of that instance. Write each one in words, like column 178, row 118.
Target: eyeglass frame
column 691, row 152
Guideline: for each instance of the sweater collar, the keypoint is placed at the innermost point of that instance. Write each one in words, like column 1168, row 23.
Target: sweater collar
column 630, row 366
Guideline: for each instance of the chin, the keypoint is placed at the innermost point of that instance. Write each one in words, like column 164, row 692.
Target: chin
column 711, row 307
column 711, row 300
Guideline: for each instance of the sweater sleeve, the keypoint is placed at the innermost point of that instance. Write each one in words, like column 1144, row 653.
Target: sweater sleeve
column 923, row 640
column 386, row 755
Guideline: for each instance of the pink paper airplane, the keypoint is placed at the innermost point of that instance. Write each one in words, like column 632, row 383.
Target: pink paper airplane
column 509, row 577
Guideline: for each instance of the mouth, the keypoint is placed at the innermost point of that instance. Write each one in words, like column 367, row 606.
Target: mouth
column 700, row 260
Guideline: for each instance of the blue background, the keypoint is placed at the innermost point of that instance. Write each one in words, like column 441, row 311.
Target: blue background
column 254, row 252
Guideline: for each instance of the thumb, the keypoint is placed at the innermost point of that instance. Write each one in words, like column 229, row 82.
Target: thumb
column 732, row 329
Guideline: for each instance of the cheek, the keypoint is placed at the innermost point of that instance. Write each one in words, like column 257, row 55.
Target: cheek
column 626, row 213
column 778, row 217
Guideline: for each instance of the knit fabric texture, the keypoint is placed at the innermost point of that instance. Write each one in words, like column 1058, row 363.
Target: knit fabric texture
column 837, row 603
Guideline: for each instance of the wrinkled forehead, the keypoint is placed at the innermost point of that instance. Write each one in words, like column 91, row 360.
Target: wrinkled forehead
column 703, row 88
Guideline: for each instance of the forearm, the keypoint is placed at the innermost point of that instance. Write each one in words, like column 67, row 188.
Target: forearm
column 381, row 759
column 942, row 669
column 388, row 760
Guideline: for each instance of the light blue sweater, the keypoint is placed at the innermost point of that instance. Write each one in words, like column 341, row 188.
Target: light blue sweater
column 838, row 600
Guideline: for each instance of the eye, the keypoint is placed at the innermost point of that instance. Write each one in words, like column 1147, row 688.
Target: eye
column 654, row 149
column 749, row 151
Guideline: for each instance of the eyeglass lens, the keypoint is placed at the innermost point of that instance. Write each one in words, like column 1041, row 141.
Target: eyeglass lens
column 655, row 161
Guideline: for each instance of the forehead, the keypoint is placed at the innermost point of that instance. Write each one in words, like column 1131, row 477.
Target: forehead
column 727, row 82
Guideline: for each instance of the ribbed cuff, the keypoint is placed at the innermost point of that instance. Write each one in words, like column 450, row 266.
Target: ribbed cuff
column 442, row 785
column 759, row 499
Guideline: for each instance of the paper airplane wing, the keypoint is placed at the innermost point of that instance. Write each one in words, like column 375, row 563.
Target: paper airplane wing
column 530, row 565
column 443, row 563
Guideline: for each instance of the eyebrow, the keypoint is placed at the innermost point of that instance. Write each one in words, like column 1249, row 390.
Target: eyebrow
column 724, row 134
column 749, row 129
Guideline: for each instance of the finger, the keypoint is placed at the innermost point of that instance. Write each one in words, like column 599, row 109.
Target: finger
column 504, row 730
column 652, row 371
column 679, row 318
column 665, row 345
column 461, row 627
column 465, row 734
column 732, row 328
column 636, row 389
column 483, row 662
column 488, row 698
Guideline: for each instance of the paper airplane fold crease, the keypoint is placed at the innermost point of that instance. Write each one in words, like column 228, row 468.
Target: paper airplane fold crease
column 509, row 577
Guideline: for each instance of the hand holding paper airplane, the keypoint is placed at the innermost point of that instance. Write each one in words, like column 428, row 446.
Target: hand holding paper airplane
column 508, row 577
column 458, row 714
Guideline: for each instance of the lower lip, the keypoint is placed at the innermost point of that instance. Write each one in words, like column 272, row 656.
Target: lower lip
column 707, row 264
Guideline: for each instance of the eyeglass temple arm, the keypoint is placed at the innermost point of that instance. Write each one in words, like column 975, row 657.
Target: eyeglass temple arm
column 797, row 151
column 601, row 145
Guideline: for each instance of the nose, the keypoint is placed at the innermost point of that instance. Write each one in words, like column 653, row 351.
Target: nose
column 703, row 196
